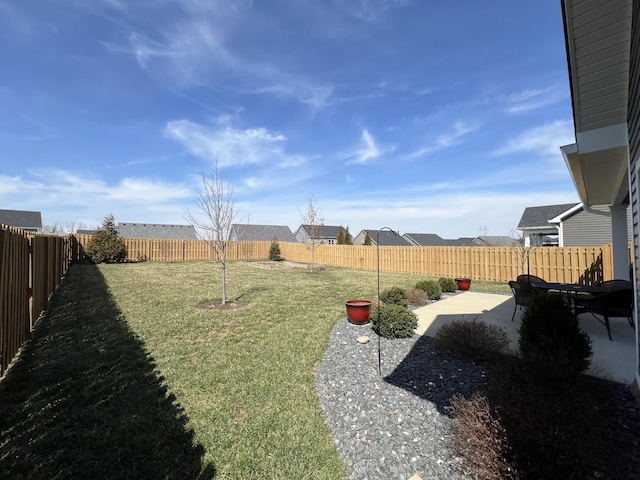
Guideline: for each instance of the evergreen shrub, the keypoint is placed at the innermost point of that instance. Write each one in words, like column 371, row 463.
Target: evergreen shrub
column 432, row 287
column 394, row 296
column 551, row 342
column 275, row 255
column 447, row 284
column 394, row 321
column 105, row 246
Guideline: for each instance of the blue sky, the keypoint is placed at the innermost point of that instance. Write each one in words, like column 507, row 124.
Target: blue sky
column 424, row 116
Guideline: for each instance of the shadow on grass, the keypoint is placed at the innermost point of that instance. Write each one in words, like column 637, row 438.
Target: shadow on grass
column 84, row 398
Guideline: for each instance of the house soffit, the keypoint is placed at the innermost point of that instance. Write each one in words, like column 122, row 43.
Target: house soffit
column 598, row 39
column 598, row 36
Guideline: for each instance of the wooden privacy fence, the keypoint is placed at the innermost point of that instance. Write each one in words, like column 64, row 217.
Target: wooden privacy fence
column 31, row 267
column 554, row 264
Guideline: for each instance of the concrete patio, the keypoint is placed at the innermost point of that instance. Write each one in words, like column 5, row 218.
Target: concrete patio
column 614, row 360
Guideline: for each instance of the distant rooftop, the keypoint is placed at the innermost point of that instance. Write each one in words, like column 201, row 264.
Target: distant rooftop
column 154, row 230
column 24, row 219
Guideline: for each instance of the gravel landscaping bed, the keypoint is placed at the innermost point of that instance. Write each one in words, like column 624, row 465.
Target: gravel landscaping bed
column 397, row 424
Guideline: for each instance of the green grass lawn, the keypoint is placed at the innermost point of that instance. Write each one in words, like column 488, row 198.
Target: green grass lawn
column 138, row 376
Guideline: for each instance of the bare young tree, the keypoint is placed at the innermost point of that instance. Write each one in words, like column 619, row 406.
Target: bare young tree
column 313, row 221
column 521, row 250
column 62, row 229
column 213, row 216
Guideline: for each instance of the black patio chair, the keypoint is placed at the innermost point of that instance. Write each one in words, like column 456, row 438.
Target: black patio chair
column 526, row 278
column 522, row 293
column 617, row 303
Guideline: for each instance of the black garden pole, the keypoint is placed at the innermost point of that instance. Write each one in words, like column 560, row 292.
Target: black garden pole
column 378, row 307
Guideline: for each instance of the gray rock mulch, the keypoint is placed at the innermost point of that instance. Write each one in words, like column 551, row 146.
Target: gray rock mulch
column 397, row 424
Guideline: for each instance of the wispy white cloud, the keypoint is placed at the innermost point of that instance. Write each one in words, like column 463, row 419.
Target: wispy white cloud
column 367, row 150
column 445, row 140
column 63, row 190
column 544, row 140
column 232, row 147
column 197, row 48
column 532, row 99
column 371, row 11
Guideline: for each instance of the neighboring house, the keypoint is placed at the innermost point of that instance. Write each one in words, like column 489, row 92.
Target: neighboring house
column 583, row 226
column 385, row 237
column 434, row 240
column 265, row 233
column 24, row 219
column 568, row 225
column 535, row 227
column 81, row 231
column 326, row 234
column 602, row 40
column 154, row 230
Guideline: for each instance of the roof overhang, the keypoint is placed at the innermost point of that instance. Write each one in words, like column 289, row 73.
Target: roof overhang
column 564, row 215
column 541, row 230
column 598, row 163
column 598, row 38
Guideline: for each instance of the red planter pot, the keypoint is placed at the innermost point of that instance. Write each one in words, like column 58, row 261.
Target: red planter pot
column 358, row 311
column 463, row 283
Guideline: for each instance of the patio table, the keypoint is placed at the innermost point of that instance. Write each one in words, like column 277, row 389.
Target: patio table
column 571, row 289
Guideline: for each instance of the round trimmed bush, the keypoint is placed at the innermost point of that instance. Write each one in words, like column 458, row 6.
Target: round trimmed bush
column 394, row 296
column 394, row 321
column 551, row 342
column 432, row 287
column 447, row 284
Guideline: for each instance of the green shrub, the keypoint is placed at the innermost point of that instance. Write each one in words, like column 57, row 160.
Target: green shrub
column 394, row 296
column 432, row 287
column 275, row 255
column 447, row 284
column 475, row 339
column 105, row 246
column 394, row 321
column 551, row 343
column 417, row 297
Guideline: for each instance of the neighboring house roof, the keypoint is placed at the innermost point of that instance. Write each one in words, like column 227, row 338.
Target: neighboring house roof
column 434, row 240
column 425, row 239
column 539, row 217
column 387, row 238
column 154, row 230
column 86, row 232
column 461, row 242
column 324, row 231
column 246, row 232
column 21, row 219
column 567, row 213
column 495, row 241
